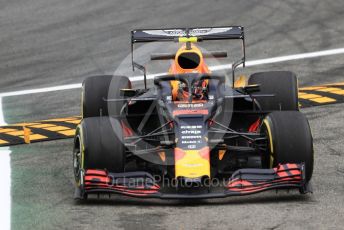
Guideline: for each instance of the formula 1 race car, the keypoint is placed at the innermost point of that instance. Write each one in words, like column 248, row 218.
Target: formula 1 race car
column 192, row 134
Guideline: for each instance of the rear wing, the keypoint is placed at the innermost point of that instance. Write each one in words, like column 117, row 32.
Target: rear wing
column 201, row 33
column 198, row 34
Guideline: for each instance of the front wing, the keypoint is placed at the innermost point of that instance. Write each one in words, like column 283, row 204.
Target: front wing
column 242, row 182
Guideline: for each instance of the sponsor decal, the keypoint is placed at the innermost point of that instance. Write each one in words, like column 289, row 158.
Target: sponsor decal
column 190, row 105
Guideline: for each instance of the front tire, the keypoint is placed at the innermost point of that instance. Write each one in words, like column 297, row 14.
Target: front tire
column 290, row 139
column 99, row 140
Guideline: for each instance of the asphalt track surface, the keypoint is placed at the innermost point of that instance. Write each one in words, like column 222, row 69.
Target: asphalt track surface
column 53, row 42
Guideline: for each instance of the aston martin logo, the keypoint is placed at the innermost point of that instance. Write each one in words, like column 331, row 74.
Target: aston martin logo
column 192, row 32
column 172, row 33
column 208, row 31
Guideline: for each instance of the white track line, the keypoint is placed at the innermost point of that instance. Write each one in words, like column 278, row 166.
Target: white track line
column 41, row 90
column 285, row 58
column 5, row 191
column 5, row 178
column 213, row 68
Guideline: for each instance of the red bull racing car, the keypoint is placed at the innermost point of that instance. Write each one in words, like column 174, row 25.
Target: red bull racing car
column 192, row 134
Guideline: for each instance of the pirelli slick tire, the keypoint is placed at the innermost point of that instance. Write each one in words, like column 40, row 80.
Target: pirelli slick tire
column 98, row 144
column 290, row 139
column 283, row 84
column 95, row 91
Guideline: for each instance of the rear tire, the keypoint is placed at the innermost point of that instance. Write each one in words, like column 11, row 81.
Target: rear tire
column 283, row 84
column 95, row 89
column 101, row 143
column 290, row 139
